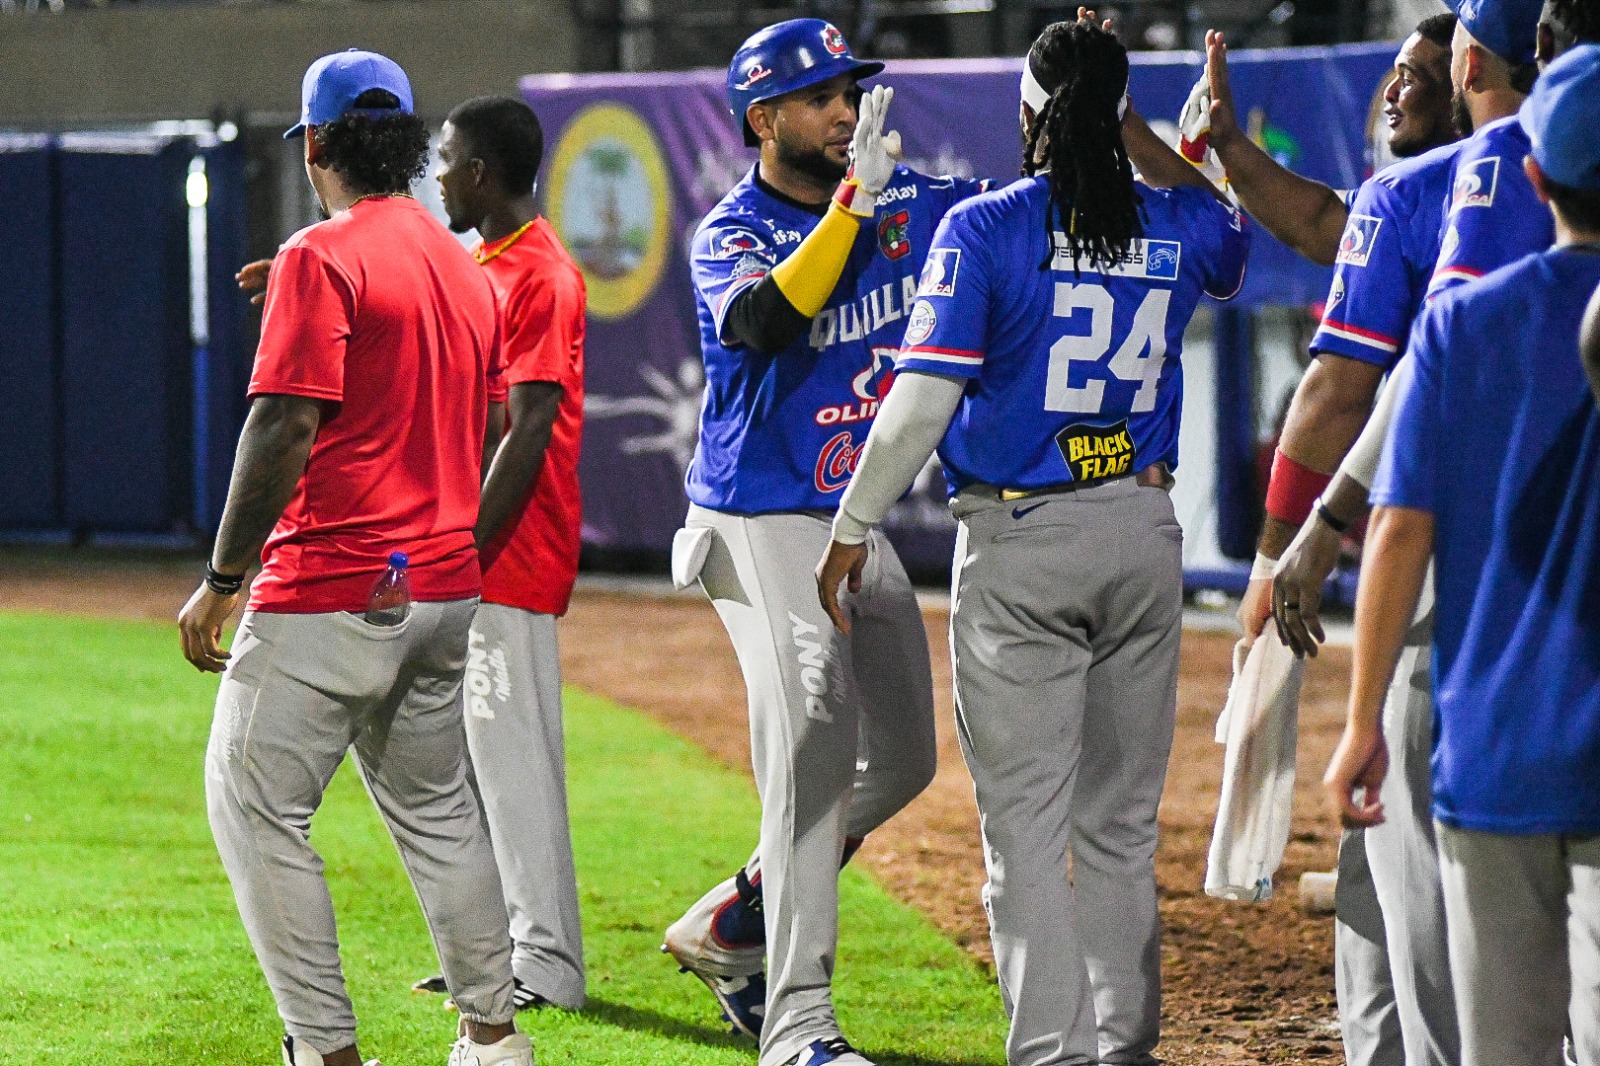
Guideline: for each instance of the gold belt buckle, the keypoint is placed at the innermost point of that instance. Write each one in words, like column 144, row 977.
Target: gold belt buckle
column 1007, row 495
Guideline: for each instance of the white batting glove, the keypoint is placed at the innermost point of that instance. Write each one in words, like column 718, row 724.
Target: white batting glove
column 1194, row 123
column 873, row 154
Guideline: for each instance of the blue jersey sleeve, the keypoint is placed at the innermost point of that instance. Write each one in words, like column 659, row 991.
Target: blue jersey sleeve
column 1406, row 473
column 945, row 331
column 1371, row 301
column 1493, row 216
column 1223, row 236
column 727, row 257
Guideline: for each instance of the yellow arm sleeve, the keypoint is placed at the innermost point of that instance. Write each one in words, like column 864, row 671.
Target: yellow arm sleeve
column 808, row 277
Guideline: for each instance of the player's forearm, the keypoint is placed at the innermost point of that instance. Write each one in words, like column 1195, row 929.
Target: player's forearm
column 519, row 458
column 1306, row 215
column 273, row 448
column 494, row 427
column 1157, row 163
column 1399, row 545
column 762, row 319
column 909, row 426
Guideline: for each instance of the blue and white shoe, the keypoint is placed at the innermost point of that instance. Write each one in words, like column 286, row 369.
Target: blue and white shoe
column 733, row 971
column 835, row 1052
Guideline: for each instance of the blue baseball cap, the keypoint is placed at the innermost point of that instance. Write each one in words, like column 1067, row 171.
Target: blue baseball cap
column 1562, row 119
column 333, row 83
column 1508, row 28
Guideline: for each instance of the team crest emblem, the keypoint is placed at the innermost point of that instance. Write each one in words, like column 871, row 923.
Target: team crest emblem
column 833, row 41
column 1095, row 452
column 755, row 74
column 939, row 272
column 1360, row 234
column 737, row 243
column 920, row 325
column 1475, row 186
column 892, row 237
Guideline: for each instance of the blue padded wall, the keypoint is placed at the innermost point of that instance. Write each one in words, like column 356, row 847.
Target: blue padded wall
column 29, row 403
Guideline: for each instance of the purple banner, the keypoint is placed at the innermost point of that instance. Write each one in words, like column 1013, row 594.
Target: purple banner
column 635, row 161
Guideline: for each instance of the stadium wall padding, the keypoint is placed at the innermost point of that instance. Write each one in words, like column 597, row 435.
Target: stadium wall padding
column 29, row 429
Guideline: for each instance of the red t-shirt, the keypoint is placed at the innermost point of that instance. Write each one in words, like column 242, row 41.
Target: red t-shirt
column 381, row 312
column 533, row 564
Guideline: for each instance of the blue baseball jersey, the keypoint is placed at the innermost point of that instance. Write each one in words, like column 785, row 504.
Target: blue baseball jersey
column 1074, row 375
column 1386, row 258
column 1496, row 434
column 1492, row 216
column 783, row 432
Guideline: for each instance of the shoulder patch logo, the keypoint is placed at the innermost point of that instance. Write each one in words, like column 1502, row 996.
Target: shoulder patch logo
column 1475, row 186
column 1360, row 234
column 939, row 272
column 920, row 327
column 892, row 235
column 1335, row 295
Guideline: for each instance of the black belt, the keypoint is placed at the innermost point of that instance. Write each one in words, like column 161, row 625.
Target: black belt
column 1154, row 476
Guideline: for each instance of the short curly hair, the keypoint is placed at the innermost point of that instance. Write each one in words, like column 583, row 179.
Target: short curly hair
column 375, row 153
column 505, row 133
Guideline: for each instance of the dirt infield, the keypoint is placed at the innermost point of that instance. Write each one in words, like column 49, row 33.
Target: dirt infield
column 1244, row 983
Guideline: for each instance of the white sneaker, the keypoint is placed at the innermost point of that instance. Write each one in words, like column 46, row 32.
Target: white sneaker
column 304, row 1055
column 514, row 1050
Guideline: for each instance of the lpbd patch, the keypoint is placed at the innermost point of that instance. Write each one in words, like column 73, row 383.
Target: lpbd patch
column 1094, row 452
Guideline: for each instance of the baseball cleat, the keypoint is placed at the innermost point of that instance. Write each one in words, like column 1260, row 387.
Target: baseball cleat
column 835, row 1052
column 514, row 1050
column 717, row 941
column 434, row 985
column 743, row 999
column 304, row 1055
column 522, row 997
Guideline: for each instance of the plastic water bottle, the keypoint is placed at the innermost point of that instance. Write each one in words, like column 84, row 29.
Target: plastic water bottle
column 390, row 602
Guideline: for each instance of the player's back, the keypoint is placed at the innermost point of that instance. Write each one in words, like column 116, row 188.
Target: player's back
column 1492, row 216
column 381, row 312
column 1080, row 375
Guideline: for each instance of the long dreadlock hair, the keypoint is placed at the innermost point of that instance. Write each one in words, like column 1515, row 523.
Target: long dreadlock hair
column 1085, row 70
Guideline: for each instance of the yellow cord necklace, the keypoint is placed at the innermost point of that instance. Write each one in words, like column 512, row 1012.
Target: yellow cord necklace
column 504, row 244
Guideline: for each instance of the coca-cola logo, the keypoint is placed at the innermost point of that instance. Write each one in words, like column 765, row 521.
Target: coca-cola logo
column 836, row 462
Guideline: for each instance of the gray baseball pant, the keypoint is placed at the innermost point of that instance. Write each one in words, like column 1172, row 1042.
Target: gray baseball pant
column 820, row 703
column 1369, row 1020
column 1067, row 613
column 512, row 697
column 300, row 691
column 1524, row 944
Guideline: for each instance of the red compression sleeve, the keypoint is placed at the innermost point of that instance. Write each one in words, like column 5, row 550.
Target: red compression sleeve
column 1294, row 489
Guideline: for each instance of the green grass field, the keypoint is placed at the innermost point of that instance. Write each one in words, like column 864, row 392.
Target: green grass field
column 119, row 942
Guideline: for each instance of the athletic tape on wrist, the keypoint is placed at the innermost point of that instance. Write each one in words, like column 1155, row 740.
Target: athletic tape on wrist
column 1262, row 568
column 1294, row 489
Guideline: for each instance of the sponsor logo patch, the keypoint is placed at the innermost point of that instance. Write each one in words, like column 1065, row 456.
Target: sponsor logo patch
column 1151, row 260
column 892, row 235
column 1360, row 234
column 836, row 462
column 1475, row 186
column 896, row 193
column 739, row 243
column 1096, row 451
column 755, row 74
column 751, row 263
column 939, row 272
column 923, row 319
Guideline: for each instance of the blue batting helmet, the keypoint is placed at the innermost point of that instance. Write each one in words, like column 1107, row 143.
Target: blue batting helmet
column 785, row 57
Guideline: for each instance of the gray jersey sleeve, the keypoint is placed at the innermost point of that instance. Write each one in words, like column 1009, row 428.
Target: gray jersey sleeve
column 908, row 428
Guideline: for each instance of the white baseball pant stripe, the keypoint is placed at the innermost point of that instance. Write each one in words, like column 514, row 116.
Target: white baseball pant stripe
column 818, row 702
column 300, row 691
column 512, row 698
column 1524, row 945
column 1064, row 633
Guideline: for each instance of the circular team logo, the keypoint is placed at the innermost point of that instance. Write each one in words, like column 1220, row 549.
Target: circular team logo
column 1378, row 153
column 609, row 201
column 920, row 326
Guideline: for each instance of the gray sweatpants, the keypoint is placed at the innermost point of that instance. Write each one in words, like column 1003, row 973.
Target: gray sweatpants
column 1064, row 632
column 841, row 735
column 299, row 692
column 512, row 697
column 1524, row 944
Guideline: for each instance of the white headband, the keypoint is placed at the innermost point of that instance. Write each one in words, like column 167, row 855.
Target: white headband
column 1033, row 93
column 1034, row 96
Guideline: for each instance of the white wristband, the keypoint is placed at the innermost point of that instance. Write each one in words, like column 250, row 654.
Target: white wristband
column 1261, row 569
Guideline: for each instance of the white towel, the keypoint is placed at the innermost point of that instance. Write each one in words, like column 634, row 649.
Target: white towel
column 1259, row 725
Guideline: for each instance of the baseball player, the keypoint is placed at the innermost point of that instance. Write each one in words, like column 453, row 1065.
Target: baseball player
column 369, row 400
column 1391, row 964
column 528, row 537
column 1493, row 468
column 1041, row 358
column 804, row 276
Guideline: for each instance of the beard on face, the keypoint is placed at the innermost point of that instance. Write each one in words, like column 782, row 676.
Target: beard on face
column 1460, row 114
column 812, row 162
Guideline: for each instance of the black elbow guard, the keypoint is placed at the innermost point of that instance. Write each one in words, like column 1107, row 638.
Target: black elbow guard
column 762, row 318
